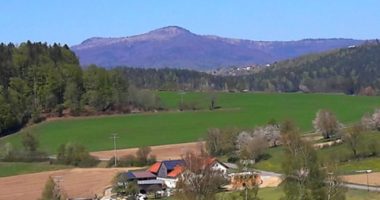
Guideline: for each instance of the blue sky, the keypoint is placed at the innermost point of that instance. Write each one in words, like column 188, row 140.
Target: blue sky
column 72, row 21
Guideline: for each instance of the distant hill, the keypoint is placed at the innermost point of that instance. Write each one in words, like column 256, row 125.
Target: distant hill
column 177, row 47
column 350, row 70
column 353, row 70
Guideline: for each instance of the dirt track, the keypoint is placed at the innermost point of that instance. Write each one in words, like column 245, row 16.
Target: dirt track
column 162, row 152
column 75, row 183
column 373, row 179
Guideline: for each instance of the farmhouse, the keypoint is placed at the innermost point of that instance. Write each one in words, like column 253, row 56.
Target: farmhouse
column 165, row 174
column 217, row 165
column 168, row 171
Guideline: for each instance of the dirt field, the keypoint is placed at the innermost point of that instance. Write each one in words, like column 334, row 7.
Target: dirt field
column 373, row 179
column 82, row 182
column 75, row 183
column 270, row 181
column 162, row 152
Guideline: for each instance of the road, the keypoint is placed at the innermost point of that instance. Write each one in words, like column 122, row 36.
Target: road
column 362, row 187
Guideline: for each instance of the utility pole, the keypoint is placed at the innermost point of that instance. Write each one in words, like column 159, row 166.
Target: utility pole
column 182, row 93
column 246, row 190
column 367, row 172
column 114, row 137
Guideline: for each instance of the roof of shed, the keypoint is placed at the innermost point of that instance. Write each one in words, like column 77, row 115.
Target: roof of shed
column 170, row 164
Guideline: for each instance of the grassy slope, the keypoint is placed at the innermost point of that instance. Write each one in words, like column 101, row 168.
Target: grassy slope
column 16, row 168
column 243, row 110
column 274, row 162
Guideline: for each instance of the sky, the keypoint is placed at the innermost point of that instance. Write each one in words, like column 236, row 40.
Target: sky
column 72, row 21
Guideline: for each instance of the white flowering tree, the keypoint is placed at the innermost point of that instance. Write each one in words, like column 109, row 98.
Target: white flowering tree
column 326, row 123
column 367, row 122
column 376, row 119
column 252, row 145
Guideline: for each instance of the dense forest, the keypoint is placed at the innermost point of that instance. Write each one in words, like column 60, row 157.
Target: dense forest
column 39, row 80
column 351, row 70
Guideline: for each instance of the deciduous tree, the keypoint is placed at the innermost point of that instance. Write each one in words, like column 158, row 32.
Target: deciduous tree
column 352, row 137
column 304, row 179
column 30, row 142
column 326, row 123
column 199, row 181
column 142, row 154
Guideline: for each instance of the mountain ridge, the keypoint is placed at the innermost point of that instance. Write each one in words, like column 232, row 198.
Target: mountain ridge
column 177, row 47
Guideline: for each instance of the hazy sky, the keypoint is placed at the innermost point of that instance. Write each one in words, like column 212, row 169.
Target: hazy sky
column 72, row 21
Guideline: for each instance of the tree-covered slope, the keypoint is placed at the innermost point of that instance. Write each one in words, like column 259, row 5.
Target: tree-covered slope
column 350, row 70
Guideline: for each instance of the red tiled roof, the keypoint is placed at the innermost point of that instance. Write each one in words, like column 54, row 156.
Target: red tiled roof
column 155, row 167
column 176, row 171
column 210, row 161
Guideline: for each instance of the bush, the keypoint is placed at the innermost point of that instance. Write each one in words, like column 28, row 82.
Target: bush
column 233, row 159
column 5, row 150
column 124, row 161
column 190, row 105
column 37, row 117
column 131, row 161
column 76, row 155
column 30, row 142
column 373, row 148
column 25, row 156
column 29, row 153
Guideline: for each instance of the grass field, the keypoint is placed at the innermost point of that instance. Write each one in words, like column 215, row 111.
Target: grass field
column 16, row 168
column 243, row 110
column 373, row 163
column 277, row 193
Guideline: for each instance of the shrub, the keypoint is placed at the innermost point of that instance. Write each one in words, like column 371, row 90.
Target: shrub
column 29, row 153
column 76, row 155
column 124, row 161
column 373, row 148
column 5, row 150
column 130, row 161
column 190, row 105
column 25, row 156
column 37, row 117
column 30, row 142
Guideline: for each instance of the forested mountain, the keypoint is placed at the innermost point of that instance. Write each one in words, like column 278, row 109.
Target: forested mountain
column 175, row 47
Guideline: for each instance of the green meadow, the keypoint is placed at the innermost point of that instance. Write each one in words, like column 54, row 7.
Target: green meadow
column 16, row 168
column 275, row 160
column 238, row 110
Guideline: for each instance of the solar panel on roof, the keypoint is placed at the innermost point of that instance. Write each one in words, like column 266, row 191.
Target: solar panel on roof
column 129, row 175
column 170, row 164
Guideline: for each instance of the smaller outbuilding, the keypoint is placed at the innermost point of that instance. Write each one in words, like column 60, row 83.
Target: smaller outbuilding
column 138, row 176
